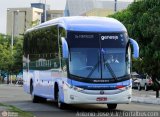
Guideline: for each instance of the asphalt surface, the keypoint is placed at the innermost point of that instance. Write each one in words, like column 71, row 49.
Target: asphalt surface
column 14, row 95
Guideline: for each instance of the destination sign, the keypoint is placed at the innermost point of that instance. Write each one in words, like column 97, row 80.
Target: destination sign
column 95, row 40
column 84, row 36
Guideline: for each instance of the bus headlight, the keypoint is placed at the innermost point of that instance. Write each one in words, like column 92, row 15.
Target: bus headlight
column 66, row 86
column 78, row 89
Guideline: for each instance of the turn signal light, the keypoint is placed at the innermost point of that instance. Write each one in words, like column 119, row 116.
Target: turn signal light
column 119, row 87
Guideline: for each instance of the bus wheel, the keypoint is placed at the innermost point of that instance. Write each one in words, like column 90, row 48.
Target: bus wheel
column 35, row 99
column 60, row 104
column 112, row 106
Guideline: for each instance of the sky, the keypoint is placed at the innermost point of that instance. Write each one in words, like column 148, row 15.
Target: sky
column 4, row 4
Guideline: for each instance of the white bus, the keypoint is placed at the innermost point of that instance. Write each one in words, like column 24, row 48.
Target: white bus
column 75, row 60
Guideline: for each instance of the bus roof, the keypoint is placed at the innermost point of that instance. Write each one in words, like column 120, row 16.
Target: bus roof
column 83, row 23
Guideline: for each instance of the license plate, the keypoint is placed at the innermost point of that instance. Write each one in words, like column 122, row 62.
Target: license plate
column 101, row 99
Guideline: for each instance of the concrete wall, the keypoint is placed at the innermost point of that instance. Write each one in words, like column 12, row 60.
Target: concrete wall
column 55, row 14
column 98, row 12
column 22, row 19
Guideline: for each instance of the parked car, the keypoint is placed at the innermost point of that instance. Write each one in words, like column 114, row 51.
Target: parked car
column 143, row 82
column 19, row 81
column 135, row 81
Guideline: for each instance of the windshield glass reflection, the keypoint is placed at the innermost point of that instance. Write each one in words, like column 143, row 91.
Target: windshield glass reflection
column 85, row 62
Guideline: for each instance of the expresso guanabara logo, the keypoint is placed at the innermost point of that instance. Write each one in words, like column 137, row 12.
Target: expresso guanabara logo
column 109, row 38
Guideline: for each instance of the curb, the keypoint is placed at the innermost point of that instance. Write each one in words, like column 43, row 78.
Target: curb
column 11, row 85
column 149, row 100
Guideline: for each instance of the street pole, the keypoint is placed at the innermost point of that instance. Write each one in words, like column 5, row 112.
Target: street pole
column 115, row 6
column 13, row 20
column 13, row 31
column 13, row 25
column 45, row 17
column 25, row 20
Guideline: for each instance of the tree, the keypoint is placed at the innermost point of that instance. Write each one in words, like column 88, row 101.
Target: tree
column 5, row 53
column 17, row 56
column 142, row 19
column 11, row 60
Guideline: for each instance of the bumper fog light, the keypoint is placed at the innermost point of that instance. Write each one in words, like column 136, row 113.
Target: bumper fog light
column 72, row 97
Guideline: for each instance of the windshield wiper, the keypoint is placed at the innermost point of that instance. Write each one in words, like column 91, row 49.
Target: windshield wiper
column 99, row 61
column 109, row 67
column 94, row 67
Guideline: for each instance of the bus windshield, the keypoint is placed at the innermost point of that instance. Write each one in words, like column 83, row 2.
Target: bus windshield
column 91, row 55
column 85, row 62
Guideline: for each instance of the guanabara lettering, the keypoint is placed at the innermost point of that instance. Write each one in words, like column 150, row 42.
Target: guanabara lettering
column 109, row 37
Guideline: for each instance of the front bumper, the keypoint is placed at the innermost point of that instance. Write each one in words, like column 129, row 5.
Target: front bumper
column 77, row 97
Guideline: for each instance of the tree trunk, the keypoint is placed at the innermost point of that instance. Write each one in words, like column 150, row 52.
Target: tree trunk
column 158, row 87
column 7, row 79
column 3, row 80
column 157, row 93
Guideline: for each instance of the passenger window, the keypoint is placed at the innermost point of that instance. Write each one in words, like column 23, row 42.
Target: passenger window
column 43, row 48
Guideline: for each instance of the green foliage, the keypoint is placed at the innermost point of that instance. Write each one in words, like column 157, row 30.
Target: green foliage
column 17, row 55
column 5, row 53
column 35, row 22
column 142, row 20
column 11, row 60
column 16, row 110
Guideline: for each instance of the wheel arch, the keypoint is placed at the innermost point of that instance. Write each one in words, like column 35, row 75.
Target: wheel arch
column 56, row 89
column 31, row 83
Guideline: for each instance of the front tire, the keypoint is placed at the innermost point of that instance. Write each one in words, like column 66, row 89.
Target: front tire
column 60, row 104
column 35, row 99
column 112, row 106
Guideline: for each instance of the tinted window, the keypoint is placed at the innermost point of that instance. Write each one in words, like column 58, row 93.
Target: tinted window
column 43, row 48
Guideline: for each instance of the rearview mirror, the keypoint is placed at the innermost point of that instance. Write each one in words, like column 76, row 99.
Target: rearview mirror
column 64, row 47
column 135, row 48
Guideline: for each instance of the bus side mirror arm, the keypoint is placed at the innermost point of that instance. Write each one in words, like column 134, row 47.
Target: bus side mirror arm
column 64, row 47
column 135, row 48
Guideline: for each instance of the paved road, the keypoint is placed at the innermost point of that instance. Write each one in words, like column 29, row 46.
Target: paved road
column 16, row 96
